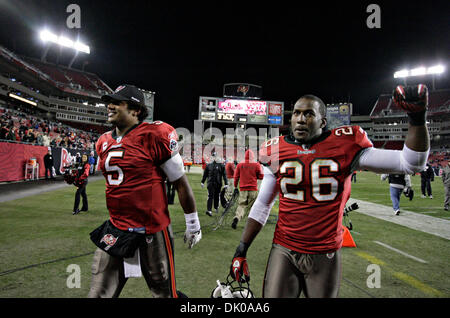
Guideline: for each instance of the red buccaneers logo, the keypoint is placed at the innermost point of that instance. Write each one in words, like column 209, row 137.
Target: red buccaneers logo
column 66, row 160
column 109, row 240
column 243, row 89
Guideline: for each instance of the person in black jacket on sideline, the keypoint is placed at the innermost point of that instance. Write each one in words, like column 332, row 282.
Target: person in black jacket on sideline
column 426, row 176
column 215, row 173
column 48, row 162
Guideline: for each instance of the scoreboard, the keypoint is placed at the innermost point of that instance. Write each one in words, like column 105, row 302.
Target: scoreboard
column 339, row 115
column 240, row 111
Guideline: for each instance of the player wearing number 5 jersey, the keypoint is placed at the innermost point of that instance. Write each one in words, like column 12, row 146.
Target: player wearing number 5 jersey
column 136, row 158
column 310, row 170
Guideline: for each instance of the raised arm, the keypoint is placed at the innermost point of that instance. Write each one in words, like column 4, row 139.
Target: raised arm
column 413, row 157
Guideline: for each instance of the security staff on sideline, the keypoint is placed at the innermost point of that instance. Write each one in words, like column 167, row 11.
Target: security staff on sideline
column 214, row 172
column 426, row 177
column 48, row 162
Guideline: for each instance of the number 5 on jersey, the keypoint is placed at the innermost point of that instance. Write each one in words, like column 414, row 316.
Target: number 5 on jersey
column 111, row 170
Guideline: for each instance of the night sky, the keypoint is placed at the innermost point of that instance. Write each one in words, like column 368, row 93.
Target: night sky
column 183, row 50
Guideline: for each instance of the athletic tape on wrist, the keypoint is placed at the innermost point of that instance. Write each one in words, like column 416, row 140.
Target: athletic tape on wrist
column 192, row 222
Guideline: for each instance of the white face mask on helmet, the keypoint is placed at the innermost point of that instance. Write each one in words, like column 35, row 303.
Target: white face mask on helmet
column 227, row 290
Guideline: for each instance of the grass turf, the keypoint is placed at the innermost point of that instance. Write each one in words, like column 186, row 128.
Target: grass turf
column 40, row 239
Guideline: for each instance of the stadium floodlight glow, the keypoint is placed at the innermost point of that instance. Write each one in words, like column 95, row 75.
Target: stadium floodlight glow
column 81, row 47
column 437, row 69
column 63, row 41
column 48, row 36
column 402, row 73
column 22, row 99
column 418, row 71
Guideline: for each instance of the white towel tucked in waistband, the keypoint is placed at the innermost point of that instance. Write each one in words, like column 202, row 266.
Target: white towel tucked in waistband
column 132, row 265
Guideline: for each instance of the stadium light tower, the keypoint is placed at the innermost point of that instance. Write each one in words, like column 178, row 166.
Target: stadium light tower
column 421, row 71
column 51, row 38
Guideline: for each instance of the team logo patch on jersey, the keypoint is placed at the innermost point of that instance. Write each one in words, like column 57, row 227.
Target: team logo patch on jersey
column 173, row 145
column 119, row 139
column 105, row 144
column 109, row 240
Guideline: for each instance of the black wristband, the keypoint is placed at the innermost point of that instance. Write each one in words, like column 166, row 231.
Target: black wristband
column 241, row 250
column 417, row 119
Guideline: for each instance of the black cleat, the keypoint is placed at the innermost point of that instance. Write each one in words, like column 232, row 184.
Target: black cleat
column 234, row 224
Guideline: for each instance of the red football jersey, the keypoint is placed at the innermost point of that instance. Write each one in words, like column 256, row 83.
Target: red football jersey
column 229, row 169
column 314, row 186
column 247, row 175
column 135, row 190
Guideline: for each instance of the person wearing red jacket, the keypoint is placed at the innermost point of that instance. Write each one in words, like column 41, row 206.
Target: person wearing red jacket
column 230, row 167
column 81, row 182
column 246, row 175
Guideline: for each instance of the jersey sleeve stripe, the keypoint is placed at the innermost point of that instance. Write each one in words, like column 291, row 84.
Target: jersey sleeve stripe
column 169, row 250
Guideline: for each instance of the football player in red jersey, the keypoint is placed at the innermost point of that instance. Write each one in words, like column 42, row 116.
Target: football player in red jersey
column 136, row 157
column 310, row 169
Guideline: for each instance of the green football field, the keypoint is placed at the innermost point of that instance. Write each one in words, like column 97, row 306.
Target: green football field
column 43, row 247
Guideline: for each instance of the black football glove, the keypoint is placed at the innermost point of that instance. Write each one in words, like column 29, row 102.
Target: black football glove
column 239, row 267
column 414, row 101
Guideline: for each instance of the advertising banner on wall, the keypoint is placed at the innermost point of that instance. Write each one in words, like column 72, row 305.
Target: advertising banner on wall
column 15, row 156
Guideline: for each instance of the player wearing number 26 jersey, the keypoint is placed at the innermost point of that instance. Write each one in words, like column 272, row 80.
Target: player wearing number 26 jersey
column 310, row 170
column 314, row 185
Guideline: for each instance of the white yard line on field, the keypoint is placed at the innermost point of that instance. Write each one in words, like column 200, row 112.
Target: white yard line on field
column 424, row 223
column 401, row 252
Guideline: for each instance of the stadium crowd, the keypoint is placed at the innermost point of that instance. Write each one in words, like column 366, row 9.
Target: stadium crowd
column 18, row 125
column 438, row 160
